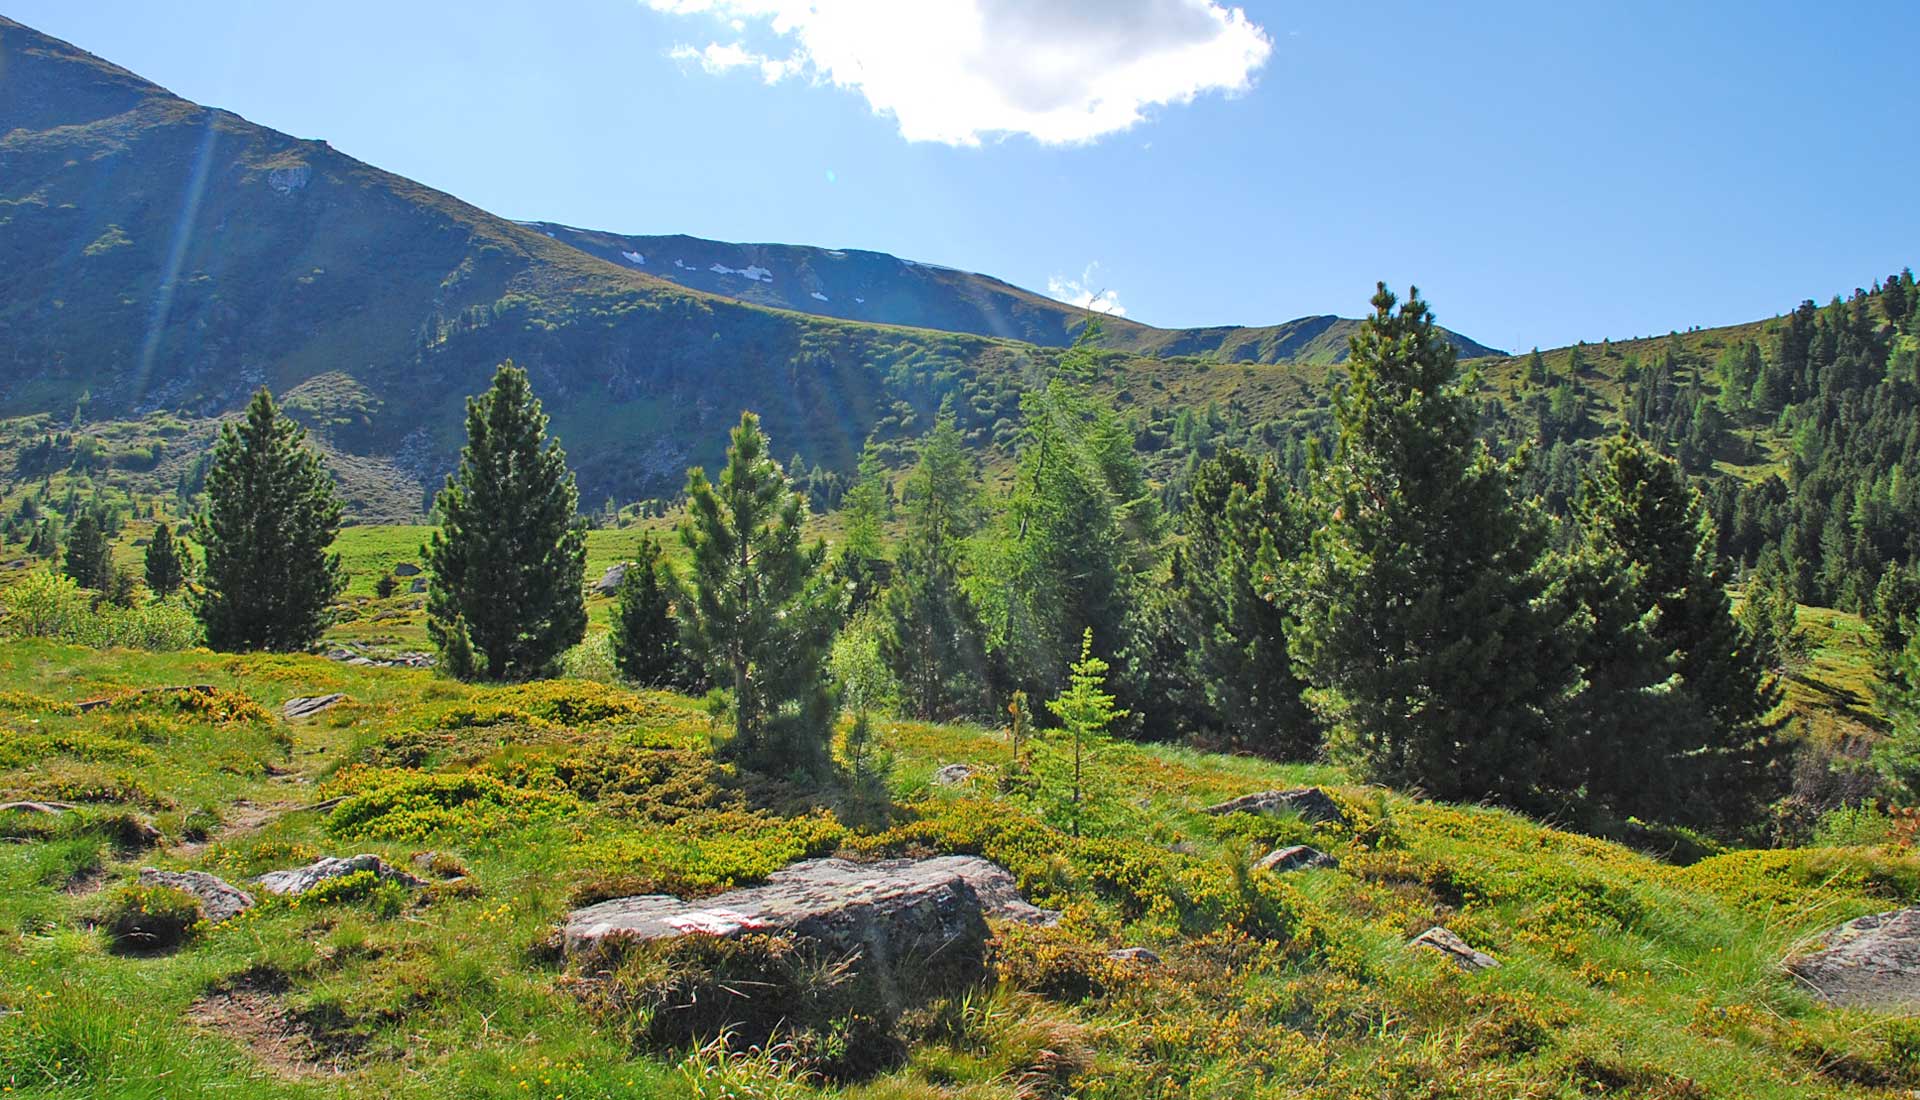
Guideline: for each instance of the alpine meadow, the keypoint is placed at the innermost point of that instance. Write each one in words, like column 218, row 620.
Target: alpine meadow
column 451, row 655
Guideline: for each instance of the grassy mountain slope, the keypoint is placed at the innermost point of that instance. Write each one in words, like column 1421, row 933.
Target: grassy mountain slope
column 875, row 287
column 161, row 259
column 1622, row 975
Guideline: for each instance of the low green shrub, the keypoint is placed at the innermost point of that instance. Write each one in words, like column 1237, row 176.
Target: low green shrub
column 150, row 918
column 411, row 806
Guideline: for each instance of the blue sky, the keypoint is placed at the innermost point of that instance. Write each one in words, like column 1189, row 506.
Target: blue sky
column 1545, row 172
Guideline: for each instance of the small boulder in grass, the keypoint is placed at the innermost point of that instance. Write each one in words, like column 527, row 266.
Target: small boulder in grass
column 299, row 880
column 954, row 775
column 219, row 899
column 1454, row 948
column 1139, row 956
column 1299, row 857
column 1308, row 803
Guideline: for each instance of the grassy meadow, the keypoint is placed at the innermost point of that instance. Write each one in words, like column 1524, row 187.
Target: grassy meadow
column 1622, row 975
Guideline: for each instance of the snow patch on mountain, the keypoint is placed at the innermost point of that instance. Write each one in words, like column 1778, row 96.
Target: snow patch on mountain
column 752, row 271
column 819, row 295
column 635, row 258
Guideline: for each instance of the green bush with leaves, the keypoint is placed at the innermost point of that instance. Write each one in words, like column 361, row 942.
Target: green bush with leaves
column 48, row 605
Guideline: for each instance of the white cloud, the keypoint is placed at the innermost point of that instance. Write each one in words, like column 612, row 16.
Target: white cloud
column 957, row 71
column 1080, row 292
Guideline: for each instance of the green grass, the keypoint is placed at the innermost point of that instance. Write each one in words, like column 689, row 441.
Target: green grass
column 1623, row 975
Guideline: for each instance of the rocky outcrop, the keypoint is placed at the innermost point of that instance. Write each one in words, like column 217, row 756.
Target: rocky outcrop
column 1309, row 803
column 406, row 569
column 1454, row 948
column 1871, row 962
column 309, row 705
column 885, row 911
column 219, row 899
column 609, row 582
column 1299, row 857
column 298, row 880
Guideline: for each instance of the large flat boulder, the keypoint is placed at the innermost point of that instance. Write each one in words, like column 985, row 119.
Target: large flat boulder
column 609, row 582
column 220, row 900
column 1871, row 962
column 1309, row 803
column 307, row 706
column 298, row 880
column 887, row 910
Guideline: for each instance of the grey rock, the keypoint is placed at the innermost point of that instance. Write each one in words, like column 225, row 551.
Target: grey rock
column 38, row 807
column 1139, row 955
column 1454, row 948
column 609, row 582
column 406, row 569
column 298, row 880
column 887, row 910
column 220, row 900
column 1310, row 803
column 953, row 775
column 1870, row 962
column 309, row 705
column 419, row 585
column 1299, row 857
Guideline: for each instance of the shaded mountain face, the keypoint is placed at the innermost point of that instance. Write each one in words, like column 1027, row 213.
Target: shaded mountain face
column 160, row 258
column 883, row 289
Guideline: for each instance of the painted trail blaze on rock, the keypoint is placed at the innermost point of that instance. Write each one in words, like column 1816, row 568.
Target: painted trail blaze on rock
column 1871, row 962
column 894, row 908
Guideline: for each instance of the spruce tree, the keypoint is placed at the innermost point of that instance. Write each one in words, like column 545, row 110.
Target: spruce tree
column 646, row 636
column 89, row 557
column 1717, row 742
column 764, row 608
column 166, row 571
column 506, row 567
column 268, row 530
column 934, row 642
column 1423, row 615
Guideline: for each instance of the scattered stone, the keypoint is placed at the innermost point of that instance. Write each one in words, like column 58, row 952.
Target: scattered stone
column 1310, row 803
column 309, row 705
column 419, row 585
column 887, row 910
column 1138, row 955
column 411, row 659
column 298, row 880
column 609, row 582
column 1871, row 962
column 953, row 775
column 1299, row 857
column 406, row 569
column 39, row 807
column 442, row 865
column 1454, row 948
column 220, row 900
column 18, row 563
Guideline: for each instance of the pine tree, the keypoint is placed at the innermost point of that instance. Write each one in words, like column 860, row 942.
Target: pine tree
column 1242, row 523
column 166, row 571
column 507, row 565
column 267, row 533
column 1718, row 740
column 89, row 557
column 935, row 643
column 764, row 609
column 1424, row 616
column 646, row 636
